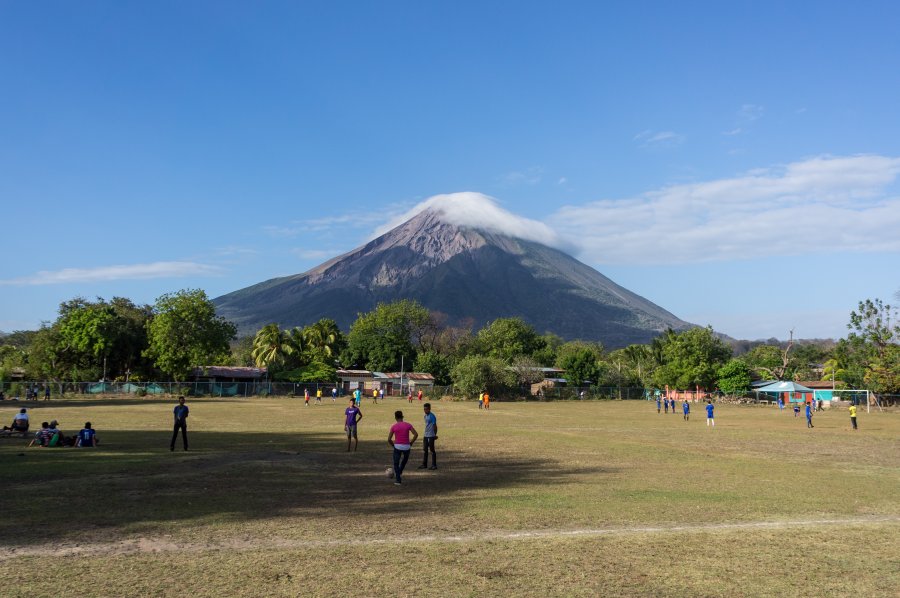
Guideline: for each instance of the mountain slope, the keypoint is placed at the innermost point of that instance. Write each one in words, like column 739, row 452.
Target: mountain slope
column 465, row 273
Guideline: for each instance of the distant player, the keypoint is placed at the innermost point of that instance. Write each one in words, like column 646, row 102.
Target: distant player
column 659, row 405
column 352, row 415
column 687, row 410
column 853, row 416
column 796, row 409
column 318, row 396
column 181, row 412
column 809, row 413
column 419, row 394
column 306, row 397
column 487, row 400
column 357, row 396
column 334, row 394
column 710, row 419
column 409, row 397
column 666, row 405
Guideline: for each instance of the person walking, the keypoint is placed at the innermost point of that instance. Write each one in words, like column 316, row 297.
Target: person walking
column 352, row 415
column 809, row 413
column 181, row 412
column 399, row 439
column 853, row 415
column 710, row 419
column 429, row 436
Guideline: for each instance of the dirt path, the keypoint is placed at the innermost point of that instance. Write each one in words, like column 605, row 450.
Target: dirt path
column 159, row 545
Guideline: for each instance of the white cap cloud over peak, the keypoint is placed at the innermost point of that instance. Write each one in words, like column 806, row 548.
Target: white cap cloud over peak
column 818, row 205
column 479, row 211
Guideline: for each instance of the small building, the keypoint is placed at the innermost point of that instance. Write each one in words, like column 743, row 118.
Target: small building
column 398, row 382
column 228, row 381
column 350, row 380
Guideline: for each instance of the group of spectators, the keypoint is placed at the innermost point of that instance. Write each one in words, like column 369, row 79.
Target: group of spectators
column 50, row 434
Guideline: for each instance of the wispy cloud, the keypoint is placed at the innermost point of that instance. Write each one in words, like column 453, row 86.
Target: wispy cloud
column 113, row 273
column 315, row 254
column 750, row 112
column 822, row 204
column 530, row 176
column 649, row 138
column 735, row 131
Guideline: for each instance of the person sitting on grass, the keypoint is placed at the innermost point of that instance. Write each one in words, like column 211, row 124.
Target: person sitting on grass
column 19, row 422
column 57, row 438
column 42, row 436
column 87, row 437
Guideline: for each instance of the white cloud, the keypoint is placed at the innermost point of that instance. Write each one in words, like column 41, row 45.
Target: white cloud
column 112, row 273
column 821, row 204
column 479, row 211
column 648, row 138
column 562, row 180
column 532, row 176
column 732, row 132
column 750, row 112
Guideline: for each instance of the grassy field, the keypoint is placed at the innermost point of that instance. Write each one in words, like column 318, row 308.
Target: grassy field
column 536, row 499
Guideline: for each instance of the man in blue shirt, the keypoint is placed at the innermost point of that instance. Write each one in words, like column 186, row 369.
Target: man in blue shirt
column 181, row 413
column 710, row 420
column 687, row 410
column 659, row 404
column 87, row 437
column 430, row 436
column 809, row 416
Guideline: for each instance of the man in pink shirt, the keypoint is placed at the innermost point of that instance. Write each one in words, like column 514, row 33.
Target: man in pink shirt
column 402, row 443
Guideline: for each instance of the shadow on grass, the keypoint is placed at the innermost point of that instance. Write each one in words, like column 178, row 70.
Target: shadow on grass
column 134, row 484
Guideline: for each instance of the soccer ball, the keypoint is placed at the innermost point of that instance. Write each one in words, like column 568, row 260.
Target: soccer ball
column 389, row 472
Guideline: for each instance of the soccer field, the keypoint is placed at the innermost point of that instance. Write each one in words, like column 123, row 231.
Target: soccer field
column 534, row 499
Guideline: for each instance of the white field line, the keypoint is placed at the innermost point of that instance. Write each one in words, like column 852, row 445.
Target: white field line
column 160, row 545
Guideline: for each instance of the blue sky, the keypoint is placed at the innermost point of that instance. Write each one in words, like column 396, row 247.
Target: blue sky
column 736, row 163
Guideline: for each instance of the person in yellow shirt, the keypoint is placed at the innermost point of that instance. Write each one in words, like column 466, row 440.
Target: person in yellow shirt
column 375, row 396
column 853, row 416
column 318, row 396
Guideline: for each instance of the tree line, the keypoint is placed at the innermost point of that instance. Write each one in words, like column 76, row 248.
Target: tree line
column 119, row 340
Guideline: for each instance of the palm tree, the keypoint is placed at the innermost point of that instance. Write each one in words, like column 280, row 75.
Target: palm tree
column 322, row 336
column 270, row 346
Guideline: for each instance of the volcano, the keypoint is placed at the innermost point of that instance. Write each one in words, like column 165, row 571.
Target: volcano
column 469, row 273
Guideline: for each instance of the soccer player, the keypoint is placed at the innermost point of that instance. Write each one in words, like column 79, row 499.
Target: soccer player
column 853, row 415
column 181, row 412
column 809, row 413
column 666, row 404
column 334, row 394
column 430, row 436
column 306, row 397
column 399, row 439
column 687, row 410
column 659, row 405
column 318, row 396
column 352, row 415
column 710, row 420
column 357, row 396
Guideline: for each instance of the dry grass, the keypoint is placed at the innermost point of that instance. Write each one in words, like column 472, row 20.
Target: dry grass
column 268, row 501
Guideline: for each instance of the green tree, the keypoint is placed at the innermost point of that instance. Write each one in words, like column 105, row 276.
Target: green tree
column 476, row 373
column 436, row 364
column 875, row 331
column 323, row 340
column 507, row 338
column 271, row 346
column 581, row 362
column 382, row 338
column 185, row 332
column 691, row 358
column 734, row 377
